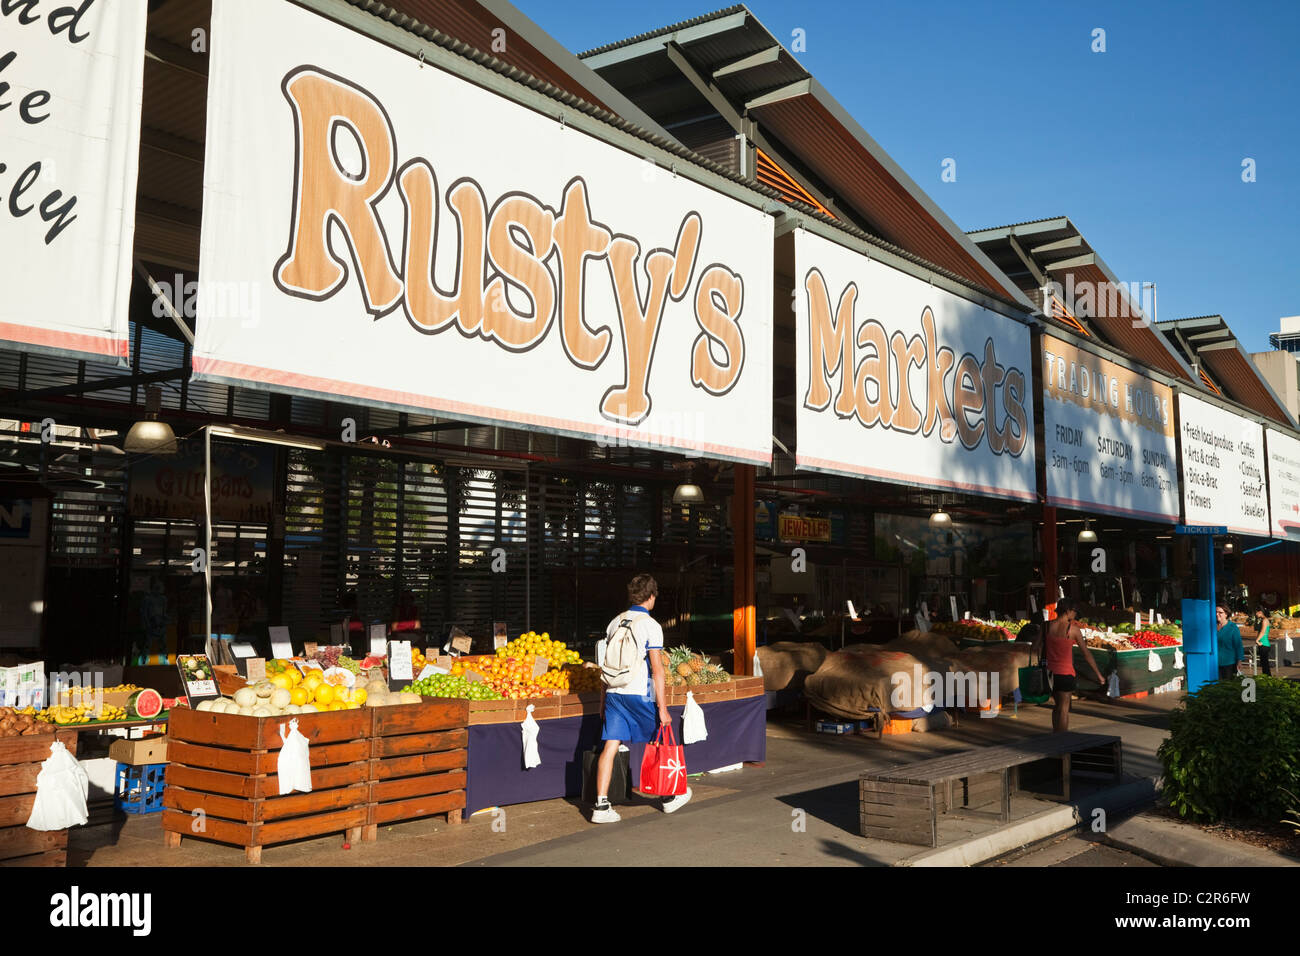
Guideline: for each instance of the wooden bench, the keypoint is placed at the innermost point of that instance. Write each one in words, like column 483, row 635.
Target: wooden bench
column 903, row 804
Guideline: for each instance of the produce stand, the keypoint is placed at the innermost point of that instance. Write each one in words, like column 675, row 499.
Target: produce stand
column 1134, row 676
column 418, row 762
column 225, row 766
column 20, row 763
column 735, row 714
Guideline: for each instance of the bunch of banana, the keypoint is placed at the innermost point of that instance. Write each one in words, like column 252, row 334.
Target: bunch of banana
column 59, row 714
column 113, row 713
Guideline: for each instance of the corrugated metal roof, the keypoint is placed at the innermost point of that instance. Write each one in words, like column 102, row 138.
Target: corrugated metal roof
column 685, row 24
column 834, row 155
column 1013, row 225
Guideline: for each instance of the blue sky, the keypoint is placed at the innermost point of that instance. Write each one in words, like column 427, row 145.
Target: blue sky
column 1141, row 146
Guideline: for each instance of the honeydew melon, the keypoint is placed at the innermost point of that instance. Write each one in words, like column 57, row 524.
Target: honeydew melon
column 281, row 698
column 246, row 697
column 310, row 709
column 262, row 712
column 205, row 705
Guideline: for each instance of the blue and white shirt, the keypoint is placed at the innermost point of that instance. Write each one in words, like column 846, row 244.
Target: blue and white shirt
column 649, row 635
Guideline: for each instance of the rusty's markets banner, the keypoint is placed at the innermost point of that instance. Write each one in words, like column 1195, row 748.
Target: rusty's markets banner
column 900, row 381
column 71, row 80
column 1223, row 468
column 1108, row 436
column 1284, row 483
column 382, row 231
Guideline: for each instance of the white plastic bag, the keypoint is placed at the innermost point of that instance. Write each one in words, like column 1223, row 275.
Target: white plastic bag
column 294, row 762
column 758, row 667
column 1112, row 685
column 1178, row 659
column 693, row 729
column 1153, row 662
column 530, row 729
column 61, row 790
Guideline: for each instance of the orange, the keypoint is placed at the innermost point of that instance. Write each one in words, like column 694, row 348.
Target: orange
column 324, row 694
column 299, row 696
column 338, row 705
column 359, row 696
column 281, row 680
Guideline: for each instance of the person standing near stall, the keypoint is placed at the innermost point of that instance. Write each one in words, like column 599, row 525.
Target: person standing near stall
column 1263, row 646
column 1060, row 637
column 1229, row 641
column 634, row 711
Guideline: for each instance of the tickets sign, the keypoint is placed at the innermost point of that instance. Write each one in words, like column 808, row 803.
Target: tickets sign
column 1108, row 436
column 403, row 237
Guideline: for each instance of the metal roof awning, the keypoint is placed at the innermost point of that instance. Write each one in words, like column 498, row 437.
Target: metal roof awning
column 1206, row 341
column 727, row 64
column 1044, row 254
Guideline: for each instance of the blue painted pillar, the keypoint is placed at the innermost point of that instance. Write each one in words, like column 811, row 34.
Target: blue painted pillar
column 1200, row 630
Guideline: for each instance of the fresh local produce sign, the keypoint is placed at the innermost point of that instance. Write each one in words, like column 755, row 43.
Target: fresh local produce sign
column 901, row 381
column 396, row 235
column 1223, row 468
column 1108, row 436
column 71, row 78
column 1284, row 483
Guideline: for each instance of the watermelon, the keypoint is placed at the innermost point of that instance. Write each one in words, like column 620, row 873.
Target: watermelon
column 144, row 705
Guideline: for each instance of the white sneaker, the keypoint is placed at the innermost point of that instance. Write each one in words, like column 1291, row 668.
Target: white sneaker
column 676, row 803
column 606, row 814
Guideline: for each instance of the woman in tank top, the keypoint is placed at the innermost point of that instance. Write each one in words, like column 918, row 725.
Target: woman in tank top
column 1060, row 637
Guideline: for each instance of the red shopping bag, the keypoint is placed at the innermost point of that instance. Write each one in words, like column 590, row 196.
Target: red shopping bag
column 663, row 768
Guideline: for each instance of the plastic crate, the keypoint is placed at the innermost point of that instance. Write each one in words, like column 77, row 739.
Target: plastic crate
column 140, row 789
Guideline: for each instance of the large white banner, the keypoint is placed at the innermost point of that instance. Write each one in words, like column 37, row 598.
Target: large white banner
column 71, row 79
column 379, row 230
column 1284, row 483
column 900, row 381
column 1108, row 436
column 1223, row 468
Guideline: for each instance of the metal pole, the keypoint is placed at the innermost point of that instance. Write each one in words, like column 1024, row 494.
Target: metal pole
column 207, row 534
column 528, row 550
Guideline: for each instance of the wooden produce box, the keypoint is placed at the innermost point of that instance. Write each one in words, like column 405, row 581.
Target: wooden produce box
column 735, row 689
column 418, row 761
column 544, row 708
column 225, row 766
column 20, row 763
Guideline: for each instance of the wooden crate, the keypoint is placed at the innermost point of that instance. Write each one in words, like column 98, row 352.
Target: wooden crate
column 20, row 763
column 418, row 762
column 736, row 689
column 225, row 766
column 544, row 708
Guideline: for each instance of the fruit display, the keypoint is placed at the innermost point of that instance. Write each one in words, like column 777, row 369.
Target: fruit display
column 685, row 668
column 61, row 715
column 288, row 692
column 378, row 695
column 418, row 660
column 1145, row 639
column 511, row 677
column 22, row 723
column 453, row 686
column 973, row 630
column 1011, row 627
column 540, row 645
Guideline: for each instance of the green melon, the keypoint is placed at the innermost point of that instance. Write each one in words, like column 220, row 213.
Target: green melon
column 144, row 705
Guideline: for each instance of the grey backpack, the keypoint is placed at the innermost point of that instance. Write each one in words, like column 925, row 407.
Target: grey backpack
column 621, row 656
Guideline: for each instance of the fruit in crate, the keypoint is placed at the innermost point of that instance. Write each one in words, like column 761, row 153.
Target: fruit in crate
column 452, row 686
column 540, row 645
column 1148, row 639
column 418, row 660
column 685, row 668
column 511, row 677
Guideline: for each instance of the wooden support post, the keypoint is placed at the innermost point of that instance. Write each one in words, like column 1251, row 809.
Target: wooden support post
column 742, row 529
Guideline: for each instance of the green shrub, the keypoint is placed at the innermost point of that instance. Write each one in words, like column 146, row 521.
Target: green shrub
column 1227, row 758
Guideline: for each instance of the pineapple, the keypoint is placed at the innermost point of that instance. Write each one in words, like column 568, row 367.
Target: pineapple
column 679, row 660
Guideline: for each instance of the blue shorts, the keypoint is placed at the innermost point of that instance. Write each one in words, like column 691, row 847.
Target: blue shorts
column 630, row 719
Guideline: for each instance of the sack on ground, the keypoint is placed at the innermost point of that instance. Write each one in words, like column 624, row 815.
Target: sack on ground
column 852, row 682
column 787, row 664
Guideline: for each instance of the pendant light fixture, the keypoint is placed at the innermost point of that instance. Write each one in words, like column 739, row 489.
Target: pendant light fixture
column 1087, row 535
column 150, row 436
column 940, row 518
column 688, row 493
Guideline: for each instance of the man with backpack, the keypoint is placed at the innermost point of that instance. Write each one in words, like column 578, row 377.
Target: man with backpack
column 636, row 703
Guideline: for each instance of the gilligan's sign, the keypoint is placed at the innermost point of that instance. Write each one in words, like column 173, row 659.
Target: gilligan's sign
column 904, row 382
column 414, row 241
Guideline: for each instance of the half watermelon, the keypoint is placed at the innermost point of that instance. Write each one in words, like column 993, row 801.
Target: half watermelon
column 144, row 705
